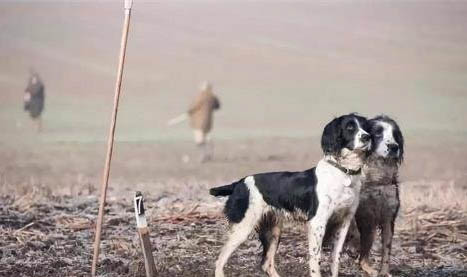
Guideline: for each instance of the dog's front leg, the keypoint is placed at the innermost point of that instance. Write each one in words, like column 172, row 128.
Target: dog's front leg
column 339, row 240
column 316, row 229
column 386, row 236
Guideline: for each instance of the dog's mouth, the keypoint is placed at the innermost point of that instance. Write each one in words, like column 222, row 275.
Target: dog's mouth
column 367, row 146
column 393, row 155
column 364, row 147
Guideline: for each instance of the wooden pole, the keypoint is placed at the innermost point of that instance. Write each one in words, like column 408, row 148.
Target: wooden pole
column 144, row 237
column 110, row 143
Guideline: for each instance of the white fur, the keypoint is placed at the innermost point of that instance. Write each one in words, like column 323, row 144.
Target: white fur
column 382, row 148
column 358, row 144
column 338, row 194
column 239, row 232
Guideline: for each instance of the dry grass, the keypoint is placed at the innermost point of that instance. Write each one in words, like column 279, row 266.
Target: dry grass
column 42, row 231
column 49, row 205
column 433, row 194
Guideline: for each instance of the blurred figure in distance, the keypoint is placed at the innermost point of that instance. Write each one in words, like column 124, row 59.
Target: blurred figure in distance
column 200, row 113
column 34, row 97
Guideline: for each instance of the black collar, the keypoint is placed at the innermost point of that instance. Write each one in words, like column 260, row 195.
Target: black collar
column 343, row 169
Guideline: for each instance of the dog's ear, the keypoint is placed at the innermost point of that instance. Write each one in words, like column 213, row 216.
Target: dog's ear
column 331, row 140
column 400, row 140
column 371, row 129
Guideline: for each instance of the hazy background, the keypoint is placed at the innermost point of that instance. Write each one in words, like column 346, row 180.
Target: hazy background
column 281, row 70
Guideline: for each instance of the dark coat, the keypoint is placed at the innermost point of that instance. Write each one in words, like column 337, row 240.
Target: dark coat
column 34, row 98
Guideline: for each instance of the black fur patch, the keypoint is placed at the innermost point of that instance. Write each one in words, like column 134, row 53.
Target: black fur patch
column 290, row 191
column 222, row 190
column 340, row 133
column 237, row 204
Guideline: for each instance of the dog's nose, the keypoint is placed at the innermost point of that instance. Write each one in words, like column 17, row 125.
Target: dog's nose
column 365, row 137
column 393, row 148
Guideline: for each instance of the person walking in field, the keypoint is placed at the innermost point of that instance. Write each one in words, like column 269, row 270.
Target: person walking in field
column 34, row 98
column 200, row 113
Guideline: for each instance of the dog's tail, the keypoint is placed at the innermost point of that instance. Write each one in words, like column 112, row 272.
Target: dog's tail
column 223, row 190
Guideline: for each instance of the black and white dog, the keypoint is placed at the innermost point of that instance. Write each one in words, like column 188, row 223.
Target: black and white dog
column 331, row 189
column 379, row 198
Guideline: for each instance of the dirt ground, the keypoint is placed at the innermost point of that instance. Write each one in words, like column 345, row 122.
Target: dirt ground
column 48, row 219
column 58, row 242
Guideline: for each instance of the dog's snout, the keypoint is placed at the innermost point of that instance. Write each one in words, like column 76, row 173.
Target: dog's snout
column 365, row 137
column 393, row 148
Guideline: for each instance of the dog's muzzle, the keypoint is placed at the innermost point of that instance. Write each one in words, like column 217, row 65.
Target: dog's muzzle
column 393, row 150
column 365, row 139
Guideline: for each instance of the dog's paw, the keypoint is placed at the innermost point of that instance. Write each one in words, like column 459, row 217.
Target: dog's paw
column 368, row 270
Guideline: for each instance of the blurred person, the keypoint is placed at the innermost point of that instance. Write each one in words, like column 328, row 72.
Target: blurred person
column 34, row 98
column 201, row 118
column 200, row 113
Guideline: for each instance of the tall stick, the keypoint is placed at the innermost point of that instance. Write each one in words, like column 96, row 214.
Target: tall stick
column 110, row 143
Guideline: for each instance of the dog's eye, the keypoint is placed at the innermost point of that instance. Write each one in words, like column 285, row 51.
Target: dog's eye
column 350, row 127
column 379, row 132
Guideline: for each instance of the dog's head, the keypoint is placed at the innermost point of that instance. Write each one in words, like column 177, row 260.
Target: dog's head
column 349, row 132
column 387, row 139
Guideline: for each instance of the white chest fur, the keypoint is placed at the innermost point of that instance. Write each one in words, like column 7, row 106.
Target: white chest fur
column 338, row 196
column 335, row 189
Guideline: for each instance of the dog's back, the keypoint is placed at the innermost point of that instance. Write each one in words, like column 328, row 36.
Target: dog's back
column 292, row 192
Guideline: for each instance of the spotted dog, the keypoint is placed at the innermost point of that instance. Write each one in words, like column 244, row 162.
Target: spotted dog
column 332, row 188
column 379, row 198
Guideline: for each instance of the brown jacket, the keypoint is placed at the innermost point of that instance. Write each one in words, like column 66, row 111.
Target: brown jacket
column 201, row 110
